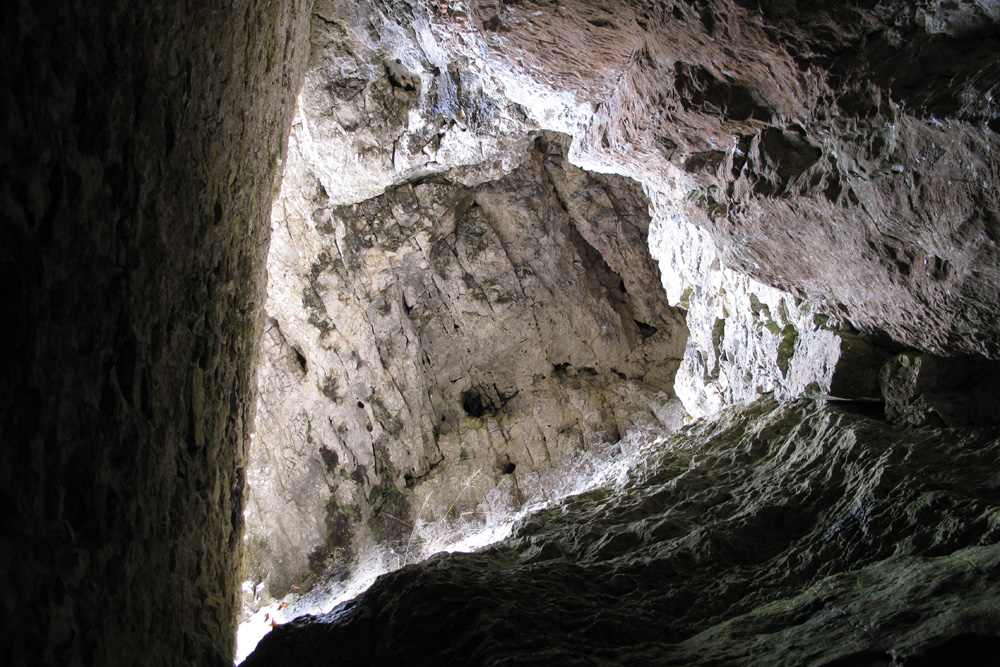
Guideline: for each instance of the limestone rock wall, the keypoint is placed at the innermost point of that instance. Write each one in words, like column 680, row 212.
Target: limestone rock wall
column 777, row 534
column 394, row 93
column 748, row 339
column 139, row 149
column 843, row 152
column 773, row 151
column 434, row 352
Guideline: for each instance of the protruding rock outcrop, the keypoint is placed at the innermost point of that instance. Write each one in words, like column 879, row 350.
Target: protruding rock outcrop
column 843, row 152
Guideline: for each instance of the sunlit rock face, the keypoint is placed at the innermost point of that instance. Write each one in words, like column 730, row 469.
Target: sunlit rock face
column 510, row 233
column 394, row 270
column 432, row 350
column 749, row 339
column 779, row 534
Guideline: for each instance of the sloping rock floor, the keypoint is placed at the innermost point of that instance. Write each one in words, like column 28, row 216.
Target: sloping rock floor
column 794, row 534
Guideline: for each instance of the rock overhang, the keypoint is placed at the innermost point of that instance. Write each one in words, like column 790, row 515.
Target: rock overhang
column 781, row 163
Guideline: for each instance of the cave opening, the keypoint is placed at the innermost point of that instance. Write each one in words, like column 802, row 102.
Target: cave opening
column 704, row 288
column 475, row 404
column 441, row 467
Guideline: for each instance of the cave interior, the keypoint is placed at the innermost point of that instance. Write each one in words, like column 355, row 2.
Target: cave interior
column 415, row 250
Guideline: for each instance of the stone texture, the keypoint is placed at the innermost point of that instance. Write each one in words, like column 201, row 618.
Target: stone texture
column 778, row 534
column 839, row 152
column 391, row 94
column 139, row 147
column 923, row 390
column 773, row 151
column 748, row 339
column 434, row 352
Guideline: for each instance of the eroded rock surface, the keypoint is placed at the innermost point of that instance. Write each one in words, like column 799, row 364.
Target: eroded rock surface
column 844, row 152
column 453, row 298
column 748, row 339
column 841, row 152
column 432, row 351
column 925, row 390
column 779, row 534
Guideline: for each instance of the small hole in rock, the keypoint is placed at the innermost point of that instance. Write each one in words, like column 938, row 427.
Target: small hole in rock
column 508, row 468
column 300, row 358
column 473, row 403
column 645, row 330
column 361, row 405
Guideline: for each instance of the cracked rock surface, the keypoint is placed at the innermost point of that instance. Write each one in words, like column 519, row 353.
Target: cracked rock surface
column 433, row 351
column 457, row 305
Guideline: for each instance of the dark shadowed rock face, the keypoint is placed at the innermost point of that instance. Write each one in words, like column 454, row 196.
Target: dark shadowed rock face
column 925, row 390
column 780, row 534
column 139, row 147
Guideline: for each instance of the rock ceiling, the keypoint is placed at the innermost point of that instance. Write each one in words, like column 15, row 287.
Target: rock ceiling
column 511, row 234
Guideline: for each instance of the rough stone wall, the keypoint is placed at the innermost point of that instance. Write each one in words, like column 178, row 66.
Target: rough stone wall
column 843, row 152
column 435, row 352
column 749, row 339
column 818, row 204
column 798, row 255
column 800, row 141
column 137, row 162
